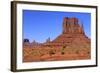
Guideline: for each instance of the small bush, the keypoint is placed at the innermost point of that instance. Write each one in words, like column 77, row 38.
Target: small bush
column 64, row 47
column 62, row 53
column 51, row 52
column 77, row 52
column 88, row 52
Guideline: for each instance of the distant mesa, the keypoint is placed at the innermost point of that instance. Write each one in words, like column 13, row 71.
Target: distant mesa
column 26, row 40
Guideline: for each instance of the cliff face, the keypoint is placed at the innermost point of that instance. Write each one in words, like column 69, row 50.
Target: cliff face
column 71, row 26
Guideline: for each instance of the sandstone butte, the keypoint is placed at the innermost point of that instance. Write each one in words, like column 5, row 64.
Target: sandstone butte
column 71, row 44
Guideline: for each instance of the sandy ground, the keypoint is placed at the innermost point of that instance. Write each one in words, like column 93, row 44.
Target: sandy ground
column 54, row 54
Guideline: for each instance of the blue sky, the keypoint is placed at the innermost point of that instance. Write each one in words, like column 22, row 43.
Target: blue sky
column 40, row 25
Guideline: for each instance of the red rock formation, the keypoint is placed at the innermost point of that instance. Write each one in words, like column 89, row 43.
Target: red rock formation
column 70, row 25
column 72, row 34
column 72, row 44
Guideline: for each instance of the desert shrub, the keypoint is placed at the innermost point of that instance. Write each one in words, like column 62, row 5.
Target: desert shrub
column 63, row 50
column 51, row 52
column 62, row 53
column 77, row 52
column 88, row 52
column 64, row 46
column 34, row 53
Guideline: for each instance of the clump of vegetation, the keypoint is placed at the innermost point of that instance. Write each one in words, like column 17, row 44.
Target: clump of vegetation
column 63, row 49
column 51, row 52
column 62, row 53
column 34, row 53
column 64, row 46
column 77, row 52
column 88, row 52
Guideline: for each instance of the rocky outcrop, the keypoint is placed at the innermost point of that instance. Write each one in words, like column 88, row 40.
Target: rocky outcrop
column 72, row 34
column 71, row 26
